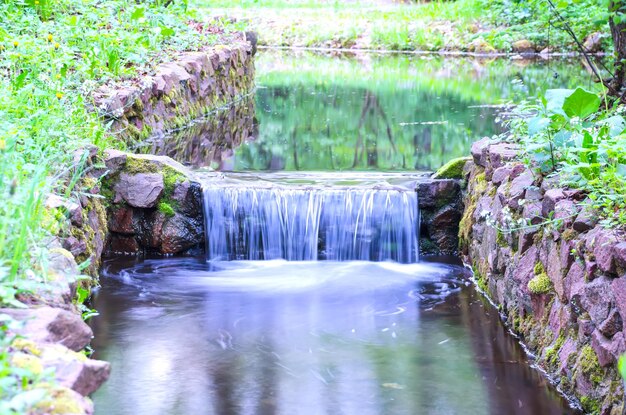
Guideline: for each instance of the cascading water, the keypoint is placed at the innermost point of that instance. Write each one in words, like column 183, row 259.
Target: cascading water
column 299, row 223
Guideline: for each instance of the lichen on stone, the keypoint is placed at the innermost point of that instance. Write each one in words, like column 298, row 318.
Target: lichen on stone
column 452, row 169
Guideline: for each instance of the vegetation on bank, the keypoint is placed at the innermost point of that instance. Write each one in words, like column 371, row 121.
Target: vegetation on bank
column 482, row 26
column 53, row 54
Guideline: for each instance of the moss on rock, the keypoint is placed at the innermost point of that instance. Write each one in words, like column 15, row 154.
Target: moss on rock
column 540, row 284
column 452, row 169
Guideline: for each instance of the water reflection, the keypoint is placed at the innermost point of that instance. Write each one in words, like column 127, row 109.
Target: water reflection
column 369, row 111
column 277, row 337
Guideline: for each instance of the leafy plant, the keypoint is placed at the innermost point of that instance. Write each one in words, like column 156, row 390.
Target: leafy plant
column 568, row 131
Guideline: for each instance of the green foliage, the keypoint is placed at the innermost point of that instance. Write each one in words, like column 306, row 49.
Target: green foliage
column 19, row 373
column 536, row 21
column 567, row 132
column 540, row 284
column 53, row 54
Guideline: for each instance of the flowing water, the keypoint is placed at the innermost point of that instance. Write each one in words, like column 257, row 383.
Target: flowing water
column 248, row 217
column 323, row 337
column 312, row 298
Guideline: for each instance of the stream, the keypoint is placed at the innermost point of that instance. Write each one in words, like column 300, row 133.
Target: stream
column 311, row 297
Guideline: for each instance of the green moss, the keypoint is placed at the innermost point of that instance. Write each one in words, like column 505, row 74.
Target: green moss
column 501, row 239
column 552, row 352
column 569, row 234
column 590, row 405
column 452, row 169
column 477, row 188
column 27, row 346
column 27, row 362
column 540, row 284
column 166, row 209
column 589, row 365
column 61, row 400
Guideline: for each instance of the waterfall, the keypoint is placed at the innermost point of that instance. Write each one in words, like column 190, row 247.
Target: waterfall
column 304, row 223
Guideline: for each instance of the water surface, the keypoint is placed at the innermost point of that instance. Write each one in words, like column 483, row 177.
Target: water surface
column 368, row 111
column 275, row 337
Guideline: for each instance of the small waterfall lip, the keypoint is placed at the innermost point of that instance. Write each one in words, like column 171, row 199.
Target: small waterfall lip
column 311, row 216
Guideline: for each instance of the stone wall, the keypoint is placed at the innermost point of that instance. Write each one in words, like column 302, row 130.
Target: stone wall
column 153, row 205
column 195, row 84
column 557, row 276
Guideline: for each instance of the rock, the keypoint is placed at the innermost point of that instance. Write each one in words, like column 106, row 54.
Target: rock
column 593, row 42
column 501, row 153
column 121, row 244
column 480, row 151
column 618, row 287
column 619, row 255
column 532, row 213
column 121, row 220
column 596, row 298
column 189, row 198
column 526, row 239
column 523, row 46
column 568, row 349
column 181, row 233
column 480, row 45
column 443, row 228
column 518, row 188
column 75, row 371
column 436, row 193
column 585, row 328
column 61, row 400
column 524, row 271
column 550, row 198
column 612, row 324
column 551, row 182
column 74, row 246
column 114, row 160
column 52, row 325
column 533, row 193
column 560, row 317
column 555, row 271
column 608, row 351
column 140, row 190
column 565, row 210
column 452, row 169
column 603, row 250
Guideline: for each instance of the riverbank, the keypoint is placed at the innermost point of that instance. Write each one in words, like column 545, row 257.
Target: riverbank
column 474, row 26
column 53, row 56
column 543, row 230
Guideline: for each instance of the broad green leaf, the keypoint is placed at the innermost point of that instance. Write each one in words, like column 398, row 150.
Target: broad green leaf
column 617, row 125
column 581, row 103
column 537, row 124
column 587, row 140
column 138, row 13
column 555, row 99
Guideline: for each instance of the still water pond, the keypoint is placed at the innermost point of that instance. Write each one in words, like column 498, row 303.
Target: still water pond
column 363, row 112
column 277, row 337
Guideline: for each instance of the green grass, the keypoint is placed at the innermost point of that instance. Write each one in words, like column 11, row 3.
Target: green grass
column 53, row 55
column 424, row 26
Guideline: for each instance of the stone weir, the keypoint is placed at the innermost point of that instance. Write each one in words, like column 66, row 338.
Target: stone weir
column 558, row 277
column 156, row 207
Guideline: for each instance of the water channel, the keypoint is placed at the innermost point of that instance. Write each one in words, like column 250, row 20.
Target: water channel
column 311, row 298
